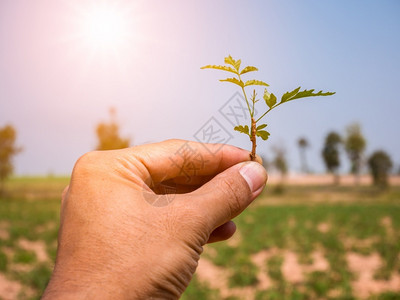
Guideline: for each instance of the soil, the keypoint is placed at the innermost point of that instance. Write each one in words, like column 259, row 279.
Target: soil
column 365, row 267
column 38, row 247
column 9, row 290
column 326, row 179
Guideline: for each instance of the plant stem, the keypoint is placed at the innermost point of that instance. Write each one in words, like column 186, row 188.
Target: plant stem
column 253, row 139
column 245, row 97
column 252, row 126
column 253, row 99
column 262, row 116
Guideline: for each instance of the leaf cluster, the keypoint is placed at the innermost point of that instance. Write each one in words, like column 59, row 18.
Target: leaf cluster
column 233, row 66
column 259, row 132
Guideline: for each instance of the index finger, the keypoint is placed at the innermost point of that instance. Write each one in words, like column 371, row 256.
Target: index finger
column 180, row 158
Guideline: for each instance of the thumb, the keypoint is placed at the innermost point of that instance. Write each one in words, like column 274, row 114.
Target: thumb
column 230, row 192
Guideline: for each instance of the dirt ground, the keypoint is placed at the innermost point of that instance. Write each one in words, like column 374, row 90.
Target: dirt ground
column 363, row 266
column 324, row 179
column 11, row 289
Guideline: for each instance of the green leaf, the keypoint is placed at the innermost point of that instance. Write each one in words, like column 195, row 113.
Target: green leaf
column 242, row 129
column 295, row 94
column 286, row 96
column 263, row 134
column 235, row 81
column 230, row 61
column 234, row 63
column 310, row 93
column 270, row 99
column 255, row 82
column 248, row 69
column 237, row 64
column 261, row 126
column 223, row 68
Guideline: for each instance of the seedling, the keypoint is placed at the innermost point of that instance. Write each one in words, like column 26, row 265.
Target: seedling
column 255, row 130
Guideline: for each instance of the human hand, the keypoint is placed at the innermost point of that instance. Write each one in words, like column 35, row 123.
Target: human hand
column 118, row 239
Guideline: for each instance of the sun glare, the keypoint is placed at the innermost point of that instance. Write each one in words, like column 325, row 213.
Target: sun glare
column 104, row 27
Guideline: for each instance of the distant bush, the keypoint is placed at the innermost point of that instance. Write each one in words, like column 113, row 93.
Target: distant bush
column 8, row 149
column 380, row 164
column 108, row 135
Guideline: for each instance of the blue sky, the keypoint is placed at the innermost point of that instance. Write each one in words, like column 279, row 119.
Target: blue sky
column 54, row 88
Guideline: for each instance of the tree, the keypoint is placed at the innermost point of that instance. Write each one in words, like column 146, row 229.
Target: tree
column 355, row 144
column 8, row 150
column 280, row 164
column 380, row 164
column 279, row 161
column 330, row 154
column 303, row 145
column 108, row 135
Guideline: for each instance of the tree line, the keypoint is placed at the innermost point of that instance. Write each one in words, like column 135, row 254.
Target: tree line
column 353, row 143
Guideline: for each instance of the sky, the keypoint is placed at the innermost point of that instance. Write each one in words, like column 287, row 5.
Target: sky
column 59, row 77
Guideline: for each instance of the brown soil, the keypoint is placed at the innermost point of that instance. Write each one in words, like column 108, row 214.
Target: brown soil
column 260, row 260
column 47, row 227
column 4, row 234
column 9, row 290
column 365, row 267
column 217, row 277
column 291, row 269
column 386, row 222
column 350, row 242
column 323, row 227
column 38, row 247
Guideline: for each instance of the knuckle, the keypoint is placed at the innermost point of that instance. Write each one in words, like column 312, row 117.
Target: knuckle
column 87, row 162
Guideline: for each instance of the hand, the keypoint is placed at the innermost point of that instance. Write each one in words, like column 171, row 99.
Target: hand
column 119, row 239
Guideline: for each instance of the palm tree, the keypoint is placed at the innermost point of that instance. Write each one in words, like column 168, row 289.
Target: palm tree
column 330, row 154
column 303, row 145
column 355, row 144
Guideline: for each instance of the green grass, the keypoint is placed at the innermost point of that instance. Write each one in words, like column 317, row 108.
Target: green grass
column 35, row 188
column 293, row 225
column 3, row 262
column 29, row 210
column 200, row 291
column 24, row 256
column 285, row 222
column 244, row 271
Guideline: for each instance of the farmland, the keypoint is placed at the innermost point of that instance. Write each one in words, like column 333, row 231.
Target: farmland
column 299, row 242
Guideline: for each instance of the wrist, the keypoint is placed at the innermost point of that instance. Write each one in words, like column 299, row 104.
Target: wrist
column 85, row 285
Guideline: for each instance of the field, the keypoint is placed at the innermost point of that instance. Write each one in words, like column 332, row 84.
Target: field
column 295, row 242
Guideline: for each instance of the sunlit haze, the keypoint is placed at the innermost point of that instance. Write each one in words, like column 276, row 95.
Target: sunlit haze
column 63, row 64
column 104, row 26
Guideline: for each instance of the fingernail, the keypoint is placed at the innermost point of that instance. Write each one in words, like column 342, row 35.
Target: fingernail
column 254, row 174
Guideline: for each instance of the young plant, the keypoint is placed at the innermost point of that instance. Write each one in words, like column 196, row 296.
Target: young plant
column 255, row 130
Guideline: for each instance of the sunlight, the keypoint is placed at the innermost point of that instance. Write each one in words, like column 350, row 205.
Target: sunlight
column 105, row 27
